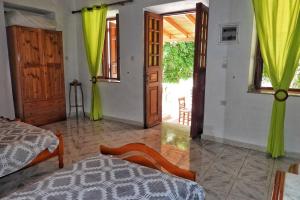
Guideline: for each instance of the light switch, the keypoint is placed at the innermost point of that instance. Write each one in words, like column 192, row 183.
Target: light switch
column 223, row 103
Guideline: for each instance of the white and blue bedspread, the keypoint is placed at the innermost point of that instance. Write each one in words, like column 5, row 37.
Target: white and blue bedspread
column 21, row 143
column 106, row 177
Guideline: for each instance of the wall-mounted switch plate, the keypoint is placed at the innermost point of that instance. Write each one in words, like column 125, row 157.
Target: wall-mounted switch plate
column 223, row 103
column 224, row 65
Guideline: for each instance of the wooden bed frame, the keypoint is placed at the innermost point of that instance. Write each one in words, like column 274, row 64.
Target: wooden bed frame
column 46, row 154
column 278, row 189
column 148, row 157
column 278, row 186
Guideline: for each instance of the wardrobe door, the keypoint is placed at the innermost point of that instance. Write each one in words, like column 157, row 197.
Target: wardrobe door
column 29, row 59
column 53, row 62
column 55, row 84
column 33, row 84
column 29, row 40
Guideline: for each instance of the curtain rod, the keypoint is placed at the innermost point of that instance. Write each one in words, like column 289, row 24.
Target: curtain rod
column 111, row 4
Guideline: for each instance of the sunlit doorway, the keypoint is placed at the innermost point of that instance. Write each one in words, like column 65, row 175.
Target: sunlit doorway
column 178, row 64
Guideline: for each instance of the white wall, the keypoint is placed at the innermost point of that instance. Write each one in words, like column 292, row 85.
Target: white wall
column 219, row 12
column 246, row 117
column 122, row 100
column 66, row 23
column 6, row 98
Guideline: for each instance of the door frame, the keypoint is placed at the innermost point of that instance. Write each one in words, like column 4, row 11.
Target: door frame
column 178, row 12
column 145, row 74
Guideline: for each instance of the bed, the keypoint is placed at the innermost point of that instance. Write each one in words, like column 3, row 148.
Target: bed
column 23, row 145
column 110, row 177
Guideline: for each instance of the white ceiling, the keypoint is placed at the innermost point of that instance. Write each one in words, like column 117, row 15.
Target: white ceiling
column 176, row 6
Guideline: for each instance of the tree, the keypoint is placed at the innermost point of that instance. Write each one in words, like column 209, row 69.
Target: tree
column 178, row 61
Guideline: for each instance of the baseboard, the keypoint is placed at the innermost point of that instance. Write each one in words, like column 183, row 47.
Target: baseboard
column 245, row 145
column 125, row 121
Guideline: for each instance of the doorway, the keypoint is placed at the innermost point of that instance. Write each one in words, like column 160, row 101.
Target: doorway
column 178, row 64
column 179, row 36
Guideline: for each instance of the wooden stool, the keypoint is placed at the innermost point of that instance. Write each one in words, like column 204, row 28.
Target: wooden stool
column 185, row 114
column 76, row 84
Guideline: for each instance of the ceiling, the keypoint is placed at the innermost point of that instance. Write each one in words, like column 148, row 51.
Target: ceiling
column 180, row 27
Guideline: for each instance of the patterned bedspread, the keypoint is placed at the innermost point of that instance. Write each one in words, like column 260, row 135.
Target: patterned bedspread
column 105, row 177
column 20, row 143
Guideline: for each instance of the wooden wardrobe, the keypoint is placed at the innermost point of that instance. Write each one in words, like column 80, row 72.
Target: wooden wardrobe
column 37, row 73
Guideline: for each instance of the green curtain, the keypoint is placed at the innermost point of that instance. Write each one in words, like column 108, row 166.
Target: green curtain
column 94, row 27
column 278, row 27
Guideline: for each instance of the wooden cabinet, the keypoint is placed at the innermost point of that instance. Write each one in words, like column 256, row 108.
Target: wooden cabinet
column 37, row 71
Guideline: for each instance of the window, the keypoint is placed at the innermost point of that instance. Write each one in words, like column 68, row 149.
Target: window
column 262, row 79
column 110, row 62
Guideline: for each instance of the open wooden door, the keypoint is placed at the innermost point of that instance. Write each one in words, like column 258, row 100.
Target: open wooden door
column 199, row 70
column 113, row 50
column 153, row 69
column 111, row 58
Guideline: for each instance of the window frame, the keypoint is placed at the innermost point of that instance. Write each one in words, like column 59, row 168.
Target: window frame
column 105, row 77
column 258, row 75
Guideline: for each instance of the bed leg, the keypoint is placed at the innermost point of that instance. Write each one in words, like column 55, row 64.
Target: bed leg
column 61, row 161
column 60, row 150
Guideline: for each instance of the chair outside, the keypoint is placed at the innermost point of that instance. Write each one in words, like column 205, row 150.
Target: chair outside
column 185, row 114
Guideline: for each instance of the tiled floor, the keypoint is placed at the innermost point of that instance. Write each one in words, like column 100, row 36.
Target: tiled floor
column 225, row 172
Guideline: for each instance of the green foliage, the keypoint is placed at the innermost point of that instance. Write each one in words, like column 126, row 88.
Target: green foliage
column 178, row 61
column 265, row 75
column 296, row 81
column 295, row 84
